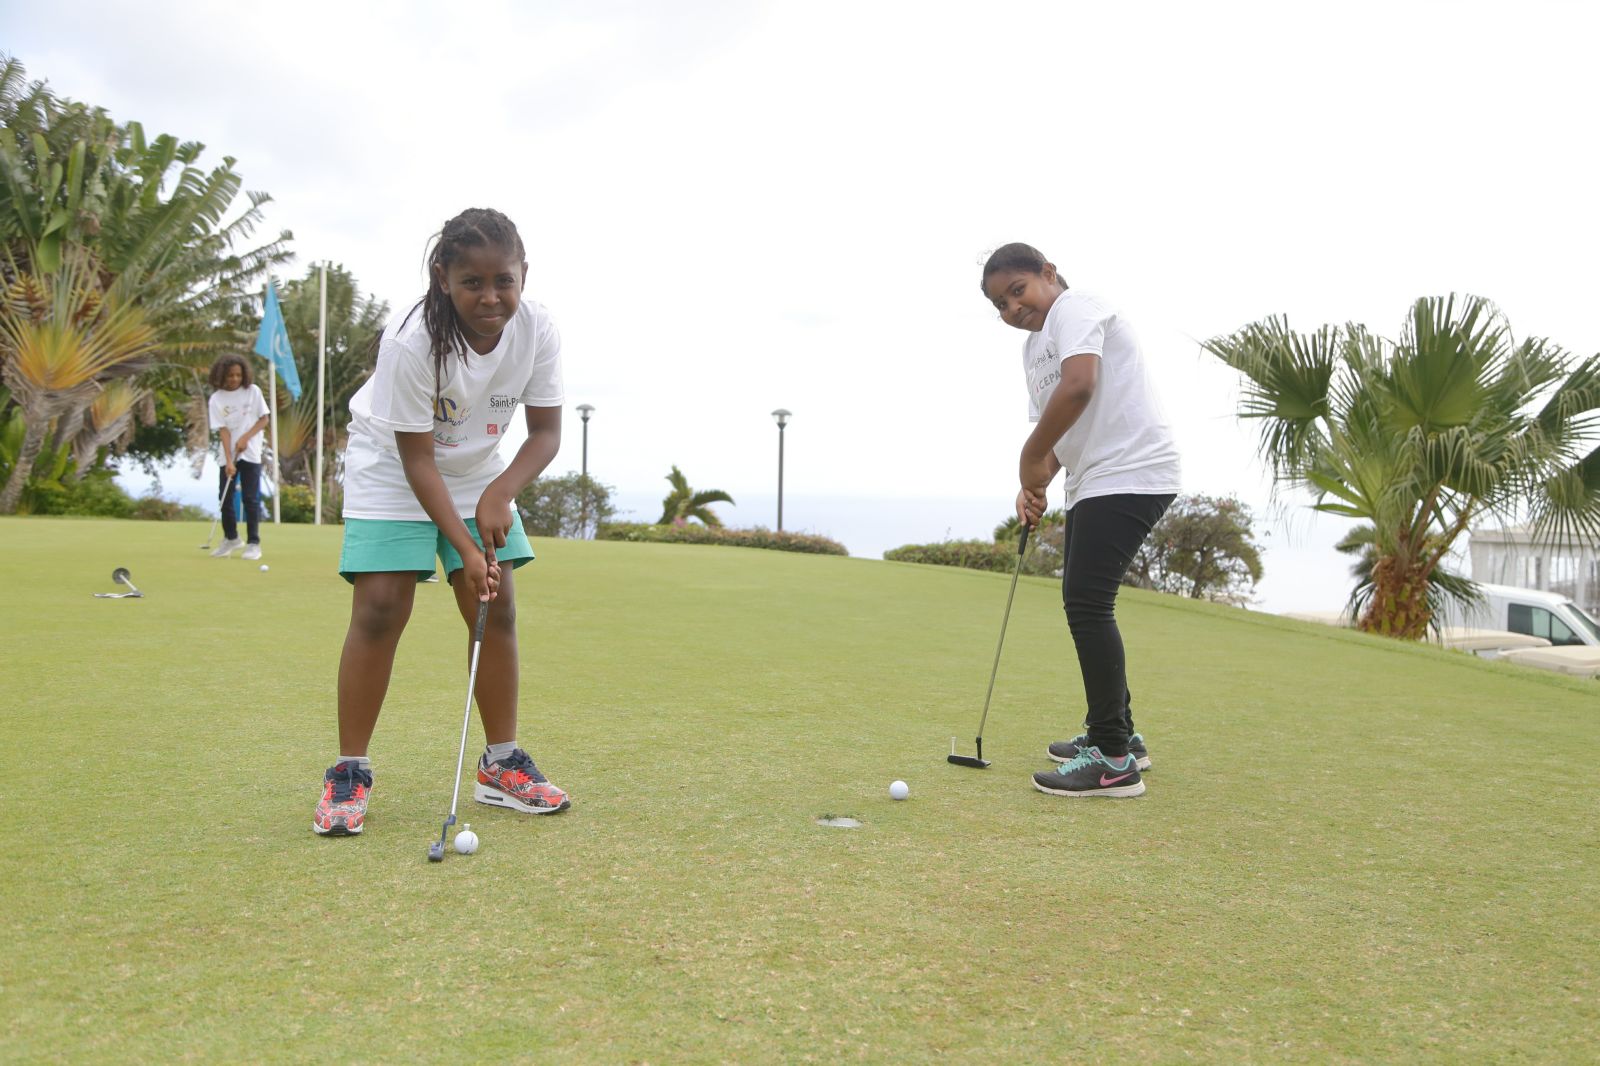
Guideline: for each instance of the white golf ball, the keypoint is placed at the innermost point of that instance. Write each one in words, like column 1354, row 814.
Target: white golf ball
column 466, row 840
column 263, row 568
column 899, row 790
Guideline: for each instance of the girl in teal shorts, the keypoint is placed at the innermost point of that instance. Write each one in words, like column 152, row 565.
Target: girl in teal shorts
column 424, row 479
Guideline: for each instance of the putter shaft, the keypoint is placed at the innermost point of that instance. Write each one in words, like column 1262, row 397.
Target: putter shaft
column 979, row 761
column 436, row 851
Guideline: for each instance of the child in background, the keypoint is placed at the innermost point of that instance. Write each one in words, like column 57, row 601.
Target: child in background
column 237, row 414
column 1100, row 421
column 424, row 479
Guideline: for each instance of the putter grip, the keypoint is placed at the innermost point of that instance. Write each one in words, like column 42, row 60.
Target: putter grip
column 1022, row 542
column 483, row 616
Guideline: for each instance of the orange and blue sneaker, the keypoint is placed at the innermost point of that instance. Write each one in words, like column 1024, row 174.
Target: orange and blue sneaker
column 343, row 810
column 515, row 783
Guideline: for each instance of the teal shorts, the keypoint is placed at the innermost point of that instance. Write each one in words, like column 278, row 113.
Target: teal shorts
column 376, row 545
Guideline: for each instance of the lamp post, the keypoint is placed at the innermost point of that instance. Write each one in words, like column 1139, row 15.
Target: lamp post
column 584, row 411
column 782, row 417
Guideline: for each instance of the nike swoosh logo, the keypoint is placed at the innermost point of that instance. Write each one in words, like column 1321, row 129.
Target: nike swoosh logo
column 1104, row 780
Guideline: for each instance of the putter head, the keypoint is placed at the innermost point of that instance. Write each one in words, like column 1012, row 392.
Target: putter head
column 436, row 851
column 977, row 762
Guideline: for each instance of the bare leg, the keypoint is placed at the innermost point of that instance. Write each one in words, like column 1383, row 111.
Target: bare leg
column 497, row 661
column 379, row 610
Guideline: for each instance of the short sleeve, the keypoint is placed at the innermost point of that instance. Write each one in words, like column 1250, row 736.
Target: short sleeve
column 258, row 404
column 213, row 414
column 545, row 385
column 1083, row 329
column 403, row 385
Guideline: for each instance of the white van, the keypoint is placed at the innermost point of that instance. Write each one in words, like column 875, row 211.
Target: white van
column 1527, row 611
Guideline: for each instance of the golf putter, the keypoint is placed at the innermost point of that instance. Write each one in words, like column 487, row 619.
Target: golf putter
column 221, row 501
column 120, row 576
column 436, row 849
column 977, row 761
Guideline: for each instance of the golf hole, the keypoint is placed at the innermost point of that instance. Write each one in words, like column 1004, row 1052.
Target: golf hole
column 838, row 822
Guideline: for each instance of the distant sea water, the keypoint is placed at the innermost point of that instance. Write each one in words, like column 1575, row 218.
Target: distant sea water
column 1303, row 572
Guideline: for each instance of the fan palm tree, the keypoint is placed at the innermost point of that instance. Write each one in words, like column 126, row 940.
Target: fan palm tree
column 683, row 503
column 1420, row 436
column 108, row 421
column 74, row 181
column 61, row 337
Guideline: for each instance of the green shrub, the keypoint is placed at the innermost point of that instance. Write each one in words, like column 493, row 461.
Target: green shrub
column 1043, row 558
column 571, row 505
column 296, row 504
column 693, row 533
column 160, row 509
column 97, row 495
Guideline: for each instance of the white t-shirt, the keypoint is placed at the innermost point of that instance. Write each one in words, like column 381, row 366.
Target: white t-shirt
column 475, row 405
column 1122, row 443
column 236, row 410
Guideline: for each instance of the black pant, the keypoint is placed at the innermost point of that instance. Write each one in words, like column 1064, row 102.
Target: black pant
column 1103, row 535
column 247, row 481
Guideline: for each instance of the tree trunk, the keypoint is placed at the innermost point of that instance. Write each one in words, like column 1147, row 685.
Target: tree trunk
column 32, row 441
column 1399, row 606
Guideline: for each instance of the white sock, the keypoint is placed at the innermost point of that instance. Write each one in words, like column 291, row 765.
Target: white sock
column 361, row 761
column 493, row 753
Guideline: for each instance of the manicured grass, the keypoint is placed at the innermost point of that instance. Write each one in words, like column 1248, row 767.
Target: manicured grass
column 1350, row 850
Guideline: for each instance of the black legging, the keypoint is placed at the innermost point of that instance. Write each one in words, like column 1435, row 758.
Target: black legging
column 1103, row 534
column 248, row 483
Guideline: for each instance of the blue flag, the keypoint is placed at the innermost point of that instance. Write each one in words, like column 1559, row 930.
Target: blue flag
column 272, row 343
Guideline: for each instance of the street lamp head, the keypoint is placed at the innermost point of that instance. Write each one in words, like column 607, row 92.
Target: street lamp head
column 585, row 410
column 782, row 416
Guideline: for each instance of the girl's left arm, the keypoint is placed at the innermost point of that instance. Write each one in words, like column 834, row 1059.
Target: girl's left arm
column 544, row 440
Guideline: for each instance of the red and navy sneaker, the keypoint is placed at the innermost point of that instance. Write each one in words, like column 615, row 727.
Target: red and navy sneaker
column 343, row 810
column 1090, row 773
column 1067, row 750
column 515, row 783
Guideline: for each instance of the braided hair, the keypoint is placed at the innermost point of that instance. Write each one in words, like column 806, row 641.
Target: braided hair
column 476, row 227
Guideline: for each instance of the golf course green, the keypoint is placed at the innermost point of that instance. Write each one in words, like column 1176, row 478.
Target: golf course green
column 1350, row 850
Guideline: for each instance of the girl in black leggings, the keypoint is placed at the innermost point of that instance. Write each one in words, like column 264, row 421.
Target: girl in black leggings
column 1099, row 420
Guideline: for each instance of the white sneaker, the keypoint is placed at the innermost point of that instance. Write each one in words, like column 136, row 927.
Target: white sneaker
column 251, row 551
column 227, row 548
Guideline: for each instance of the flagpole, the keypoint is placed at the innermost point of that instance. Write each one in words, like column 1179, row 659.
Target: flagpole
column 272, row 406
column 322, row 359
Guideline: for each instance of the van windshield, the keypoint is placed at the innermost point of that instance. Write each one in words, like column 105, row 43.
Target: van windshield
column 1587, row 619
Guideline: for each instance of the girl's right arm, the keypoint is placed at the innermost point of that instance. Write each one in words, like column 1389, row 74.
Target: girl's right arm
column 482, row 573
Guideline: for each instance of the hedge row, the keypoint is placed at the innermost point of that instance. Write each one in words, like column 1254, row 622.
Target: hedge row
column 1042, row 560
column 694, row 533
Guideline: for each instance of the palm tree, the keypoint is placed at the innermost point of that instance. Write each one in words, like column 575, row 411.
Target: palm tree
column 683, row 503
column 61, row 337
column 73, row 181
column 1454, row 421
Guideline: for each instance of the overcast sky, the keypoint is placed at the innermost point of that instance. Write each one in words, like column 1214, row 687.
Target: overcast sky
column 732, row 207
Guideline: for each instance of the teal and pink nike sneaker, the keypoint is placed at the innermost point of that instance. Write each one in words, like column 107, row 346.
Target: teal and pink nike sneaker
column 1067, row 750
column 1090, row 773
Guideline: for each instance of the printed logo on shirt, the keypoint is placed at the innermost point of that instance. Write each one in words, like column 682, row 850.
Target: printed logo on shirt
column 494, row 430
column 450, row 420
column 502, row 403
